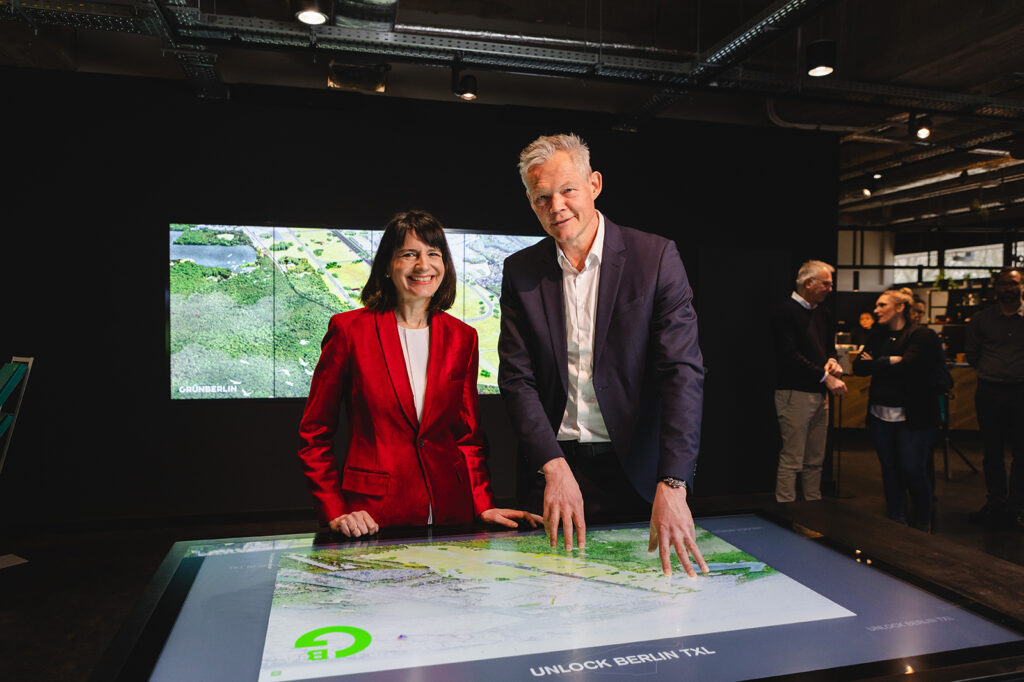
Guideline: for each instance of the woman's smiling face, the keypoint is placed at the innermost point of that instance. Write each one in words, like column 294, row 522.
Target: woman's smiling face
column 416, row 269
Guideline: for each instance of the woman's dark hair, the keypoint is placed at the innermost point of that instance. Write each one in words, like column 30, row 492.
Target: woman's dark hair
column 379, row 292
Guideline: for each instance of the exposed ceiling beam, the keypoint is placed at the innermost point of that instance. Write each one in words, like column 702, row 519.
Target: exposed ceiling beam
column 987, row 217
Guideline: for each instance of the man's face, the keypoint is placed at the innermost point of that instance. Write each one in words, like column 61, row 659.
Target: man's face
column 563, row 200
column 819, row 287
column 866, row 320
column 1008, row 287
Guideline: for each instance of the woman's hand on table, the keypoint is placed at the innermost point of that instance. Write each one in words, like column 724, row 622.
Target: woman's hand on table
column 507, row 517
column 355, row 524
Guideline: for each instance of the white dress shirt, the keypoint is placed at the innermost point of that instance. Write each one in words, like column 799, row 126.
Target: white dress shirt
column 582, row 419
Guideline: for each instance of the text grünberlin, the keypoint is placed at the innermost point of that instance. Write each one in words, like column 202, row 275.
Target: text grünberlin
column 195, row 388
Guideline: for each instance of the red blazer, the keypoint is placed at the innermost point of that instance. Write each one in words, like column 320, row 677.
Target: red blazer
column 396, row 467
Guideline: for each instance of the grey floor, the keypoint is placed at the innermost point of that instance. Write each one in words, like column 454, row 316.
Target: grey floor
column 955, row 497
column 60, row 611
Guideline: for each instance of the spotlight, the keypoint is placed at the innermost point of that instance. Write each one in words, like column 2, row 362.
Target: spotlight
column 920, row 274
column 870, row 184
column 311, row 12
column 821, row 58
column 921, row 128
column 856, row 287
column 876, row 176
column 467, row 88
column 464, row 87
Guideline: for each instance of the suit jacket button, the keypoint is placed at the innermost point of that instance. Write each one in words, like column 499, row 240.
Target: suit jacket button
column 421, row 442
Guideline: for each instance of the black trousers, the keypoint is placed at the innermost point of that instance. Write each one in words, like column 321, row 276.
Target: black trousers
column 608, row 494
column 1000, row 410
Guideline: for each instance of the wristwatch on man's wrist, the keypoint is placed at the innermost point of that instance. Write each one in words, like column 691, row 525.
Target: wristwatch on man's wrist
column 673, row 482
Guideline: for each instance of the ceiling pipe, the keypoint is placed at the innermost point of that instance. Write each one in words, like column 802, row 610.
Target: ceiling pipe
column 858, row 131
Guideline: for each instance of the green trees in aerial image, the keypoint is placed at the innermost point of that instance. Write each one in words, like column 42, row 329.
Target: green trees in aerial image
column 258, row 330
column 205, row 236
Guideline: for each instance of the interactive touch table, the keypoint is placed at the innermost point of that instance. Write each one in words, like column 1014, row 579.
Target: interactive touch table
column 507, row 607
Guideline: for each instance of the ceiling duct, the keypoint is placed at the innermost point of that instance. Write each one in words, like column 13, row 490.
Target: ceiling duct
column 378, row 15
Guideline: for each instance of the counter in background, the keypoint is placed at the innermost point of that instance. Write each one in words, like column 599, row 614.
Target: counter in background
column 850, row 410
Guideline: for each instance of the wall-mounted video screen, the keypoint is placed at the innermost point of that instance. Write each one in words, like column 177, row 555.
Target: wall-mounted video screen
column 249, row 305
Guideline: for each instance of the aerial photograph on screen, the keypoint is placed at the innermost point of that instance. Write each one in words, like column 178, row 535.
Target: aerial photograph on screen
column 249, row 305
column 349, row 610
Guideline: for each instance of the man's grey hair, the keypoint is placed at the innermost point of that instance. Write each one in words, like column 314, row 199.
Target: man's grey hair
column 810, row 270
column 544, row 147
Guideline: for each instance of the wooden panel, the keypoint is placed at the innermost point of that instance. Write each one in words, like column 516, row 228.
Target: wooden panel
column 850, row 410
column 962, row 416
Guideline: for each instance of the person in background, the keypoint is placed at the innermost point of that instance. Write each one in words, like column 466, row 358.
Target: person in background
column 804, row 334
column 859, row 336
column 995, row 347
column 406, row 372
column 918, row 311
column 902, row 359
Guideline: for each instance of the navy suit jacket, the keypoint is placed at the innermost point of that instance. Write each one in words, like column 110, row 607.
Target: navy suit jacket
column 648, row 369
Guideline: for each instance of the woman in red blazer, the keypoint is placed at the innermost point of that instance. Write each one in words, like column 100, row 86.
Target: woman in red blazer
column 407, row 373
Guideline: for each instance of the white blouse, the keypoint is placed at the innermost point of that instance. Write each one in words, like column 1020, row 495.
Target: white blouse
column 416, row 349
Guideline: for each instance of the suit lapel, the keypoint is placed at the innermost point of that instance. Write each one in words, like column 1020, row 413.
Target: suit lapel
column 554, row 309
column 612, row 262
column 394, row 360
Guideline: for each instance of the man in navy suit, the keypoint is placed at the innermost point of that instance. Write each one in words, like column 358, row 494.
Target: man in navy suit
column 600, row 368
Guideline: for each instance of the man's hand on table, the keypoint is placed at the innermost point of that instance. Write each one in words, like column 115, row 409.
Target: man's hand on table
column 563, row 504
column 672, row 528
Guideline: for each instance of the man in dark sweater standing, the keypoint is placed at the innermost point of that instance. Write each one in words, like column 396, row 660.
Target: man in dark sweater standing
column 804, row 334
column 995, row 347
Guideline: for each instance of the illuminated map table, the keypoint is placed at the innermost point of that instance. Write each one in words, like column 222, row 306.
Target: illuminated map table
column 507, row 607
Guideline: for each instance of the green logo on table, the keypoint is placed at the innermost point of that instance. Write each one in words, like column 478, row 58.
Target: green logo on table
column 313, row 638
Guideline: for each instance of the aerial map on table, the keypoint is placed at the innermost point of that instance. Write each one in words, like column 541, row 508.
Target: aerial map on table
column 249, row 305
column 346, row 610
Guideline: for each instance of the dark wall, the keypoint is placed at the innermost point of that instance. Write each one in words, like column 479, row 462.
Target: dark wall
column 95, row 167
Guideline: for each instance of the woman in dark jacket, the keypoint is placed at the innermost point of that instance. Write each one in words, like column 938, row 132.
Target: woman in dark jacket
column 902, row 359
